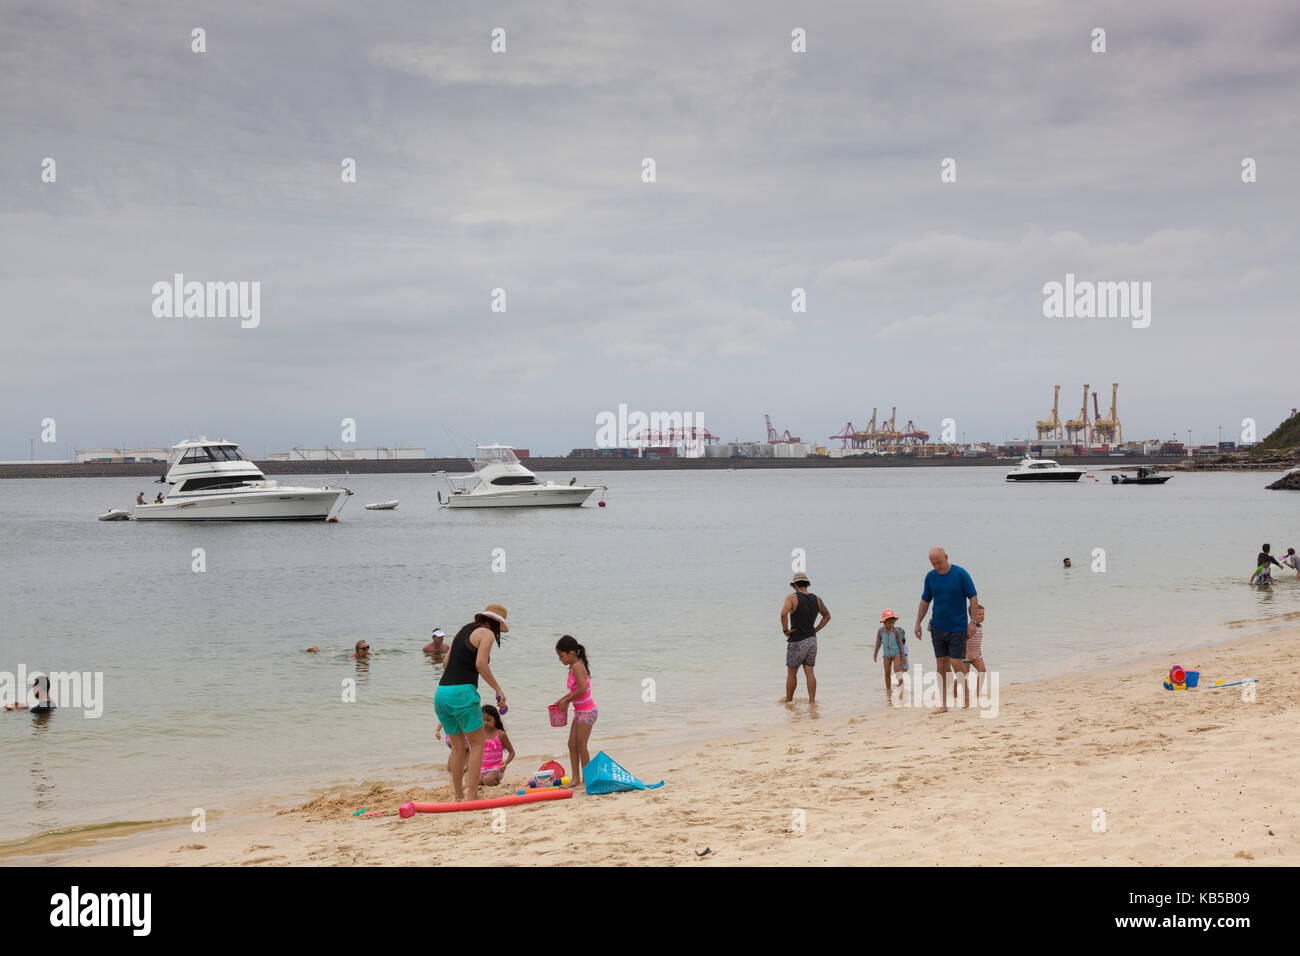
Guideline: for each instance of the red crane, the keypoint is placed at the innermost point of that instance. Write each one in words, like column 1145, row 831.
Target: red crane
column 850, row 436
column 774, row 439
column 911, row 435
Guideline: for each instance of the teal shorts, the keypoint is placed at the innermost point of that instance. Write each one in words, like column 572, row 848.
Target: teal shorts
column 458, row 707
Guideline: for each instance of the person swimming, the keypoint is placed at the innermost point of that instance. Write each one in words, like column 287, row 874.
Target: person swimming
column 436, row 646
column 44, row 703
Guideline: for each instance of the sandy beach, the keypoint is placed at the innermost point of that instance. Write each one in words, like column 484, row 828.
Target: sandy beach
column 1107, row 768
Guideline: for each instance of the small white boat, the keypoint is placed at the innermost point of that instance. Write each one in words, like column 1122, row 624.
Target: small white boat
column 116, row 514
column 1043, row 469
column 382, row 506
column 212, row 481
column 500, row 481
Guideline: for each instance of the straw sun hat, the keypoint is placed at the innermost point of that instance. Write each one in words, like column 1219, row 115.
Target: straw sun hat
column 495, row 611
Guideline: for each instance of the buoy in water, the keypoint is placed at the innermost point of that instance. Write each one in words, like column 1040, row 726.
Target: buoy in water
column 600, row 504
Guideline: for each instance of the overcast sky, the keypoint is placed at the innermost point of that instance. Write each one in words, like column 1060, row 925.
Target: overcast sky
column 522, row 170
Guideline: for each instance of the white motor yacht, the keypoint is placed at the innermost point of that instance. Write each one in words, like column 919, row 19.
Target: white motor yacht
column 1043, row 469
column 213, row 481
column 500, row 481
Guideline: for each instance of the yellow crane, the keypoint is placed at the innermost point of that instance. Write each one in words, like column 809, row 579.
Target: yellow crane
column 868, row 435
column 1077, row 430
column 888, row 432
column 1108, row 429
column 1052, row 427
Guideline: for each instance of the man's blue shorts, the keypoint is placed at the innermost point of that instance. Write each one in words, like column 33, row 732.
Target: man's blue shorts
column 948, row 643
column 458, row 707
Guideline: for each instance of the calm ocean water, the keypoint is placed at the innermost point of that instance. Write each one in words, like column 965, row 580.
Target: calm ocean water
column 209, row 697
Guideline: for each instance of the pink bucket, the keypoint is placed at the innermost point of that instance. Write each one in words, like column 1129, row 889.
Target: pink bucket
column 559, row 715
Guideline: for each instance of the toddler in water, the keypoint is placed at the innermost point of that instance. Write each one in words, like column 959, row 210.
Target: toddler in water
column 495, row 742
column 1262, row 577
column 573, row 654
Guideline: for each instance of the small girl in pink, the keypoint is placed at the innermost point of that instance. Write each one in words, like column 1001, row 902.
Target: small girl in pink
column 494, row 741
column 495, row 744
column 573, row 654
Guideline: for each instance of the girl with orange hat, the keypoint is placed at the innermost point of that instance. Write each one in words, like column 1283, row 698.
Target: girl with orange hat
column 894, row 641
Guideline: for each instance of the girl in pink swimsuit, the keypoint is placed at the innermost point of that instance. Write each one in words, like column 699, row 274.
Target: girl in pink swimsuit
column 495, row 745
column 574, row 656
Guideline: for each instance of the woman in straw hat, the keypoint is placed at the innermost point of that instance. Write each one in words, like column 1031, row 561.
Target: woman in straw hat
column 457, row 702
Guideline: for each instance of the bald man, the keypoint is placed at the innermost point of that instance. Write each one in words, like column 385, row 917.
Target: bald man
column 949, row 587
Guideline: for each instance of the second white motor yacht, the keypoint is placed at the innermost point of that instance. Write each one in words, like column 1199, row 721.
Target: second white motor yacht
column 1043, row 469
column 500, row 481
column 212, row 481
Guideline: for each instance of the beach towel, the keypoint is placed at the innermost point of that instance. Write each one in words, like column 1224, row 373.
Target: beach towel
column 604, row 775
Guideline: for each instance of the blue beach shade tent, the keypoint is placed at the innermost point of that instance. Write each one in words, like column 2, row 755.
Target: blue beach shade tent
column 604, row 775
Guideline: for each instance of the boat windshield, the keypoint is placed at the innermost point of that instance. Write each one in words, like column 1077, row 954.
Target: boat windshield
column 207, row 453
column 487, row 454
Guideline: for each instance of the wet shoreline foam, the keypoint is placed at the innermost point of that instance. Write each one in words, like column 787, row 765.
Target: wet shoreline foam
column 332, row 806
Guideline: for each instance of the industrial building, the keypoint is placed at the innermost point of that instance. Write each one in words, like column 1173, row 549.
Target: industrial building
column 371, row 453
column 122, row 454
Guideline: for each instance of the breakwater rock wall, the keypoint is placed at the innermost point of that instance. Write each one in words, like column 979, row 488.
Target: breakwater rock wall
column 1288, row 482
column 546, row 465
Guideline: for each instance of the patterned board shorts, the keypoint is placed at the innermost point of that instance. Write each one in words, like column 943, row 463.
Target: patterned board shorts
column 801, row 653
column 585, row 716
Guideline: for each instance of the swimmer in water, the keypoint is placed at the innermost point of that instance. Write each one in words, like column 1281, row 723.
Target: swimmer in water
column 43, row 705
column 361, row 650
column 435, row 646
column 1067, row 563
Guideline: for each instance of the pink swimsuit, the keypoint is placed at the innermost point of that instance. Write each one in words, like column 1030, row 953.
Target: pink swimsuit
column 585, row 702
column 492, row 753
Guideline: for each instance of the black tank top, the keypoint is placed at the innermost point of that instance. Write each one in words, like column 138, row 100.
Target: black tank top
column 461, row 666
column 804, row 617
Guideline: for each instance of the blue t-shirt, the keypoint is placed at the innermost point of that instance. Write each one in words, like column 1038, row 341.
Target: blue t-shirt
column 947, row 594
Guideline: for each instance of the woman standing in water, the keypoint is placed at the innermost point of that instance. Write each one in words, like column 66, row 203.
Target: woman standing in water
column 457, row 702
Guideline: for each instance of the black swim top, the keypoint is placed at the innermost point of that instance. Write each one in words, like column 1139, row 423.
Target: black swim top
column 460, row 666
column 804, row 617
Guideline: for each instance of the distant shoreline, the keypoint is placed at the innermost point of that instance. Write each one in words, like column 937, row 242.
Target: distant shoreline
column 393, row 466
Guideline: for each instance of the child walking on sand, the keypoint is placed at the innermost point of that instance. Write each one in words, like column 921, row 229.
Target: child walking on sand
column 975, row 656
column 574, row 656
column 894, row 642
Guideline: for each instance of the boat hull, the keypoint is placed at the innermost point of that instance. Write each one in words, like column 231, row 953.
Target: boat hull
column 526, row 497
column 1047, row 476
column 283, row 504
